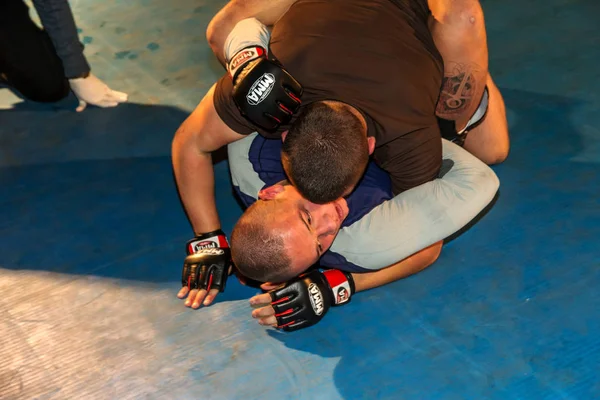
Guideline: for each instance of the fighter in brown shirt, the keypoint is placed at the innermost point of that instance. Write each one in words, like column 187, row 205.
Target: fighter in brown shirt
column 373, row 62
column 377, row 56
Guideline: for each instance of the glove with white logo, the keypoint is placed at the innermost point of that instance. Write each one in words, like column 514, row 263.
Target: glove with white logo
column 264, row 92
column 208, row 262
column 305, row 300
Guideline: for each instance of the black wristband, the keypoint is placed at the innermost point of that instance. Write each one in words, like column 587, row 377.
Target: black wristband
column 209, row 234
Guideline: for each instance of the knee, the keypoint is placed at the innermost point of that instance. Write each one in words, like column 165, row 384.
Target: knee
column 49, row 91
column 52, row 96
column 501, row 151
column 500, row 156
column 492, row 146
column 497, row 155
column 212, row 34
column 219, row 27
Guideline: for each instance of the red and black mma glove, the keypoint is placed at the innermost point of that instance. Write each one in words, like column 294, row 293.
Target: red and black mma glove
column 207, row 263
column 305, row 300
column 264, row 92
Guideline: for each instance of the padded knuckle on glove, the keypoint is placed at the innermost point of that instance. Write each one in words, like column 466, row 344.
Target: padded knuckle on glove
column 300, row 304
column 266, row 94
column 206, row 269
column 213, row 276
column 282, row 301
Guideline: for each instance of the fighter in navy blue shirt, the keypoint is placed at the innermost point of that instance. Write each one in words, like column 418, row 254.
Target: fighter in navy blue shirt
column 383, row 238
column 374, row 189
column 377, row 229
column 369, row 232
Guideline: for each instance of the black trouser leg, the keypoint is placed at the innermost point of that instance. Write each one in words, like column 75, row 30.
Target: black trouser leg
column 28, row 60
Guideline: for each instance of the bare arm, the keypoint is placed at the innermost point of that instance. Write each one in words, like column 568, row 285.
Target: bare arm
column 200, row 134
column 266, row 11
column 402, row 269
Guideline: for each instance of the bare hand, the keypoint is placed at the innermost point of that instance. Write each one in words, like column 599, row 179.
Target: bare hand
column 263, row 311
column 92, row 90
column 197, row 297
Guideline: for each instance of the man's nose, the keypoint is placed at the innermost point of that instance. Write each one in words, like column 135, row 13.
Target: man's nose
column 327, row 222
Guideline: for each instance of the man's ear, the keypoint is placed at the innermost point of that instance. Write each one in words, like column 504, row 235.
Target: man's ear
column 283, row 135
column 269, row 193
column 371, row 144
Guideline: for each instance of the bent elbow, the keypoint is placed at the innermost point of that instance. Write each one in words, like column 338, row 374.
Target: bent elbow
column 485, row 189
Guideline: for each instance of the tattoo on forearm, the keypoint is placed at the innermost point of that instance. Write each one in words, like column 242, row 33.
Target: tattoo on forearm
column 459, row 88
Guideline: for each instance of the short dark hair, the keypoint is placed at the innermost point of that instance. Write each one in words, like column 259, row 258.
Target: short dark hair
column 257, row 250
column 325, row 151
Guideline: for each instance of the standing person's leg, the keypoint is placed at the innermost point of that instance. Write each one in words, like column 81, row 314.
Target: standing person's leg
column 458, row 29
column 28, row 60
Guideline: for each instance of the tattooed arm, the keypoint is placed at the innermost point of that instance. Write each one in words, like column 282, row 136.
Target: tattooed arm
column 458, row 31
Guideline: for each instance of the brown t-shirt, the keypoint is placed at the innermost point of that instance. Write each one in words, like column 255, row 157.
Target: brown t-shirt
column 376, row 55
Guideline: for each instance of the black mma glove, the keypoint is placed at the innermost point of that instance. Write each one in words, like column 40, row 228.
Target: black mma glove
column 208, row 261
column 305, row 300
column 264, row 92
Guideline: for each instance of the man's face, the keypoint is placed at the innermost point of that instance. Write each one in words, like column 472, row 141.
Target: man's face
column 309, row 228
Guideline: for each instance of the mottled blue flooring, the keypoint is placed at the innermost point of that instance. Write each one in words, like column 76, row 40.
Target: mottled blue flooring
column 92, row 237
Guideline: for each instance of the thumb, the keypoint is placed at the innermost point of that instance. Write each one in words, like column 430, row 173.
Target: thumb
column 82, row 106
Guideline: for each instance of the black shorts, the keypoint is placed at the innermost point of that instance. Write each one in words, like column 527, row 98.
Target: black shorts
column 448, row 127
